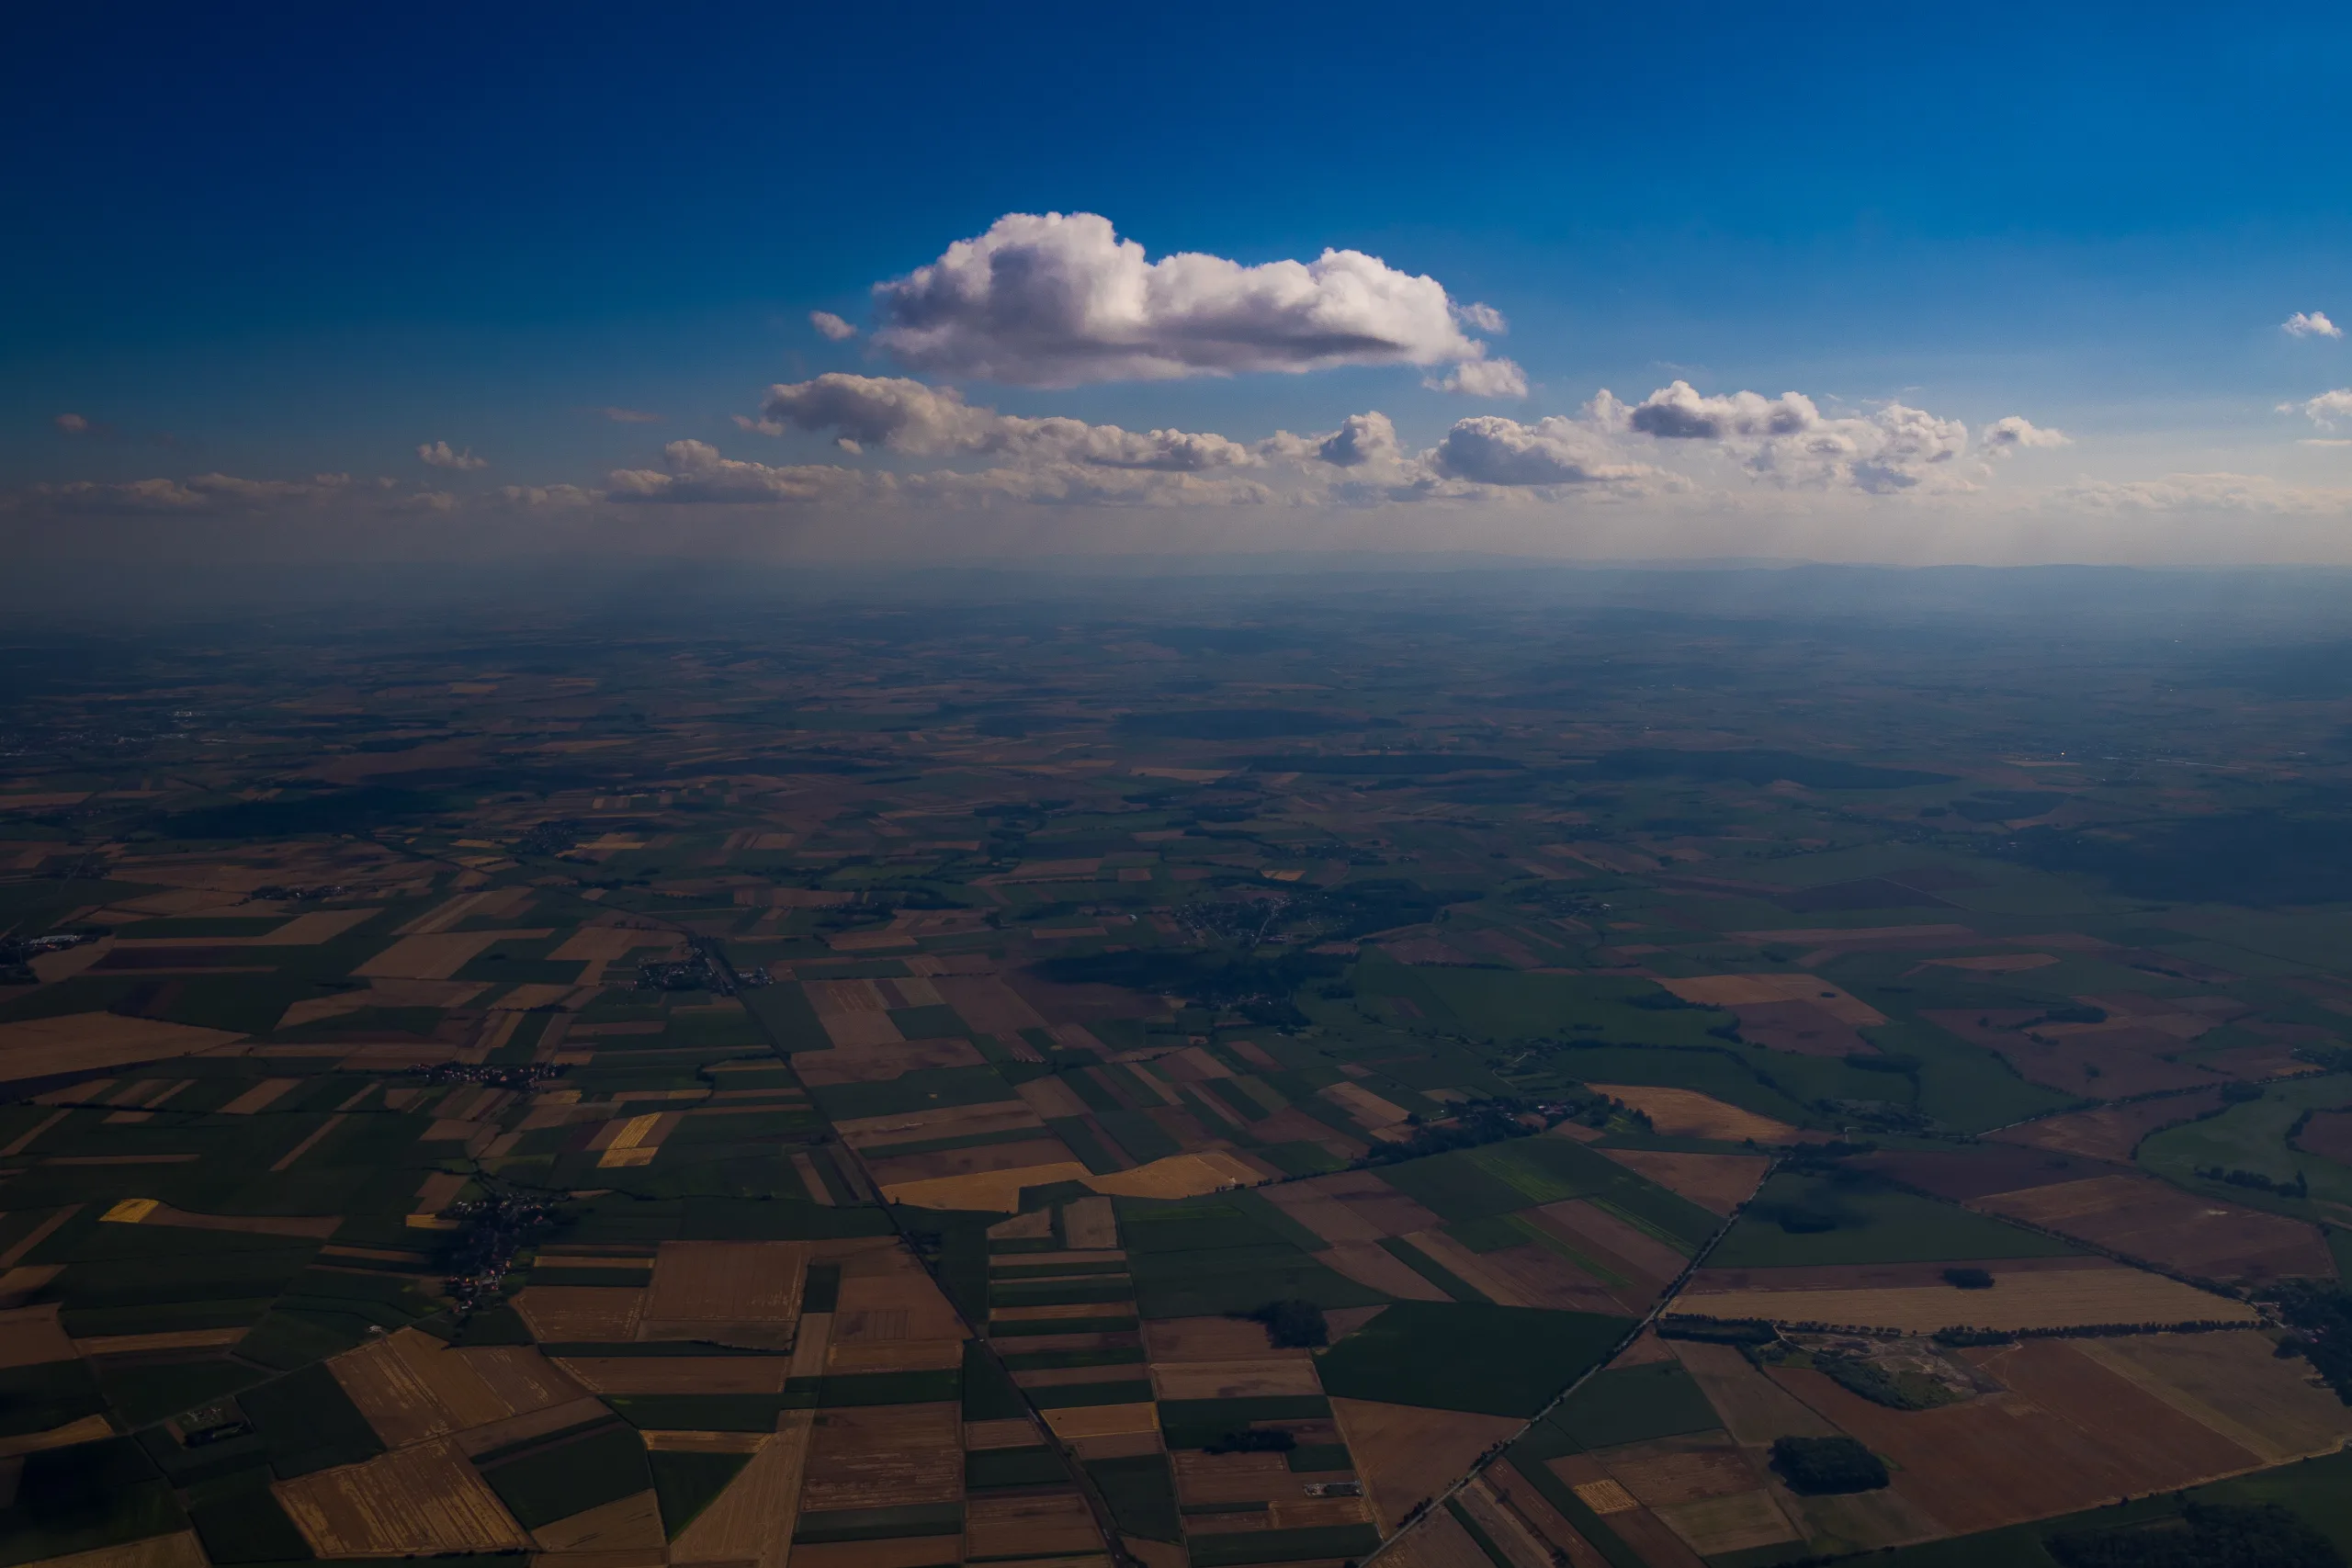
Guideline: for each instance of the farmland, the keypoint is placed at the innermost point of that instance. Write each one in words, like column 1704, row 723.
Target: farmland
column 1010, row 1086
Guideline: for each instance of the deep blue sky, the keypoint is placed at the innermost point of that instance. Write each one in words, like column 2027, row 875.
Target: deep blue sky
column 299, row 238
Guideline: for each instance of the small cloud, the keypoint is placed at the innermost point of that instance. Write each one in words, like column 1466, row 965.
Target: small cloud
column 2325, row 410
column 438, row 455
column 831, row 328
column 2311, row 324
column 72, row 424
column 1484, row 378
column 2016, row 434
column 1486, row 318
column 630, row 416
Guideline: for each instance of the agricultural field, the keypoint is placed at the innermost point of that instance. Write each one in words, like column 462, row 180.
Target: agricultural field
column 1219, row 1088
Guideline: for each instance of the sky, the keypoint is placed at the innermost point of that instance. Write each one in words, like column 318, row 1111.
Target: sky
column 932, row 281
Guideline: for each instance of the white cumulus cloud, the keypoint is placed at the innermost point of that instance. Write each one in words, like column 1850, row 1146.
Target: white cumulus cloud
column 830, row 327
column 1059, row 299
column 1787, row 440
column 1488, row 450
column 72, row 424
column 438, row 455
column 2014, row 432
column 2310, row 323
column 909, row 417
column 2325, row 410
column 694, row 471
column 1362, row 439
column 1483, row 379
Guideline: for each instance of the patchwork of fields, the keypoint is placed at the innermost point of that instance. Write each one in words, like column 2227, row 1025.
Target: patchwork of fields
column 1030, row 1113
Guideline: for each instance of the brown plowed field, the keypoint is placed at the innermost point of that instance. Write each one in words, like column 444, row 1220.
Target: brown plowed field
column 753, row 1520
column 875, row 1064
column 581, row 1314
column 519, row 1376
column 1529, row 1276
column 411, row 1386
column 31, row 1337
column 2070, row 1435
column 678, row 1374
column 1718, row 1183
column 418, row 1500
column 904, row 1551
column 1091, row 1223
column 2113, row 1132
column 2140, row 1217
column 389, row 1396
column 514, row 1429
column 1018, row 1432
column 887, row 1281
column 1234, row 1380
column 1754, row 1408
column 1681, row 1470
column 1049, row 1097
column 1372, row 1201
column 1102, row 1420
column 865, row 1132
column 1000, row 1526
column 180, row 1551
column 2329, row 1135
column 1518, row 1497
column 726, row 1281
column 2130, row 1061
column 1211, row 1339
column 1648, row 1263
column 1437, row 1542
column 891, row 1170
column 1800, row 1028
column 1369, row 1263
column 1961, row 1175
column 1404, row 1453
column 884, row 1456
column 988, row 1004
column 1204, row 1477
column 2233, row 1384
column 898, row 1356
column 632, row 1523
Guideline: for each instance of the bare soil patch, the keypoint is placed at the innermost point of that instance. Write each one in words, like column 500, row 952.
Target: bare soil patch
column 1404, row 1453
column 2114, row 1131
column 877, row 1063
column 2140, row 1217
column 425, row 1499
column 884, row 1456
column 581, row 1314
column 1718, row 1183
column 998, row 1527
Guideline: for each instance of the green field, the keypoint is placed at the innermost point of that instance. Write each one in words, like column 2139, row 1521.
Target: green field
column 2253, row 1137
column 1796, row 1221
column 1451, row 1356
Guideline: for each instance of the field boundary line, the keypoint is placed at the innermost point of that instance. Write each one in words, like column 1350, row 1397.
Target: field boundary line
column 1666, row 1299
